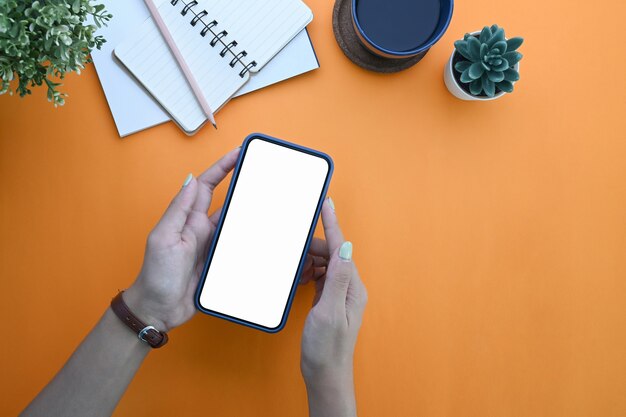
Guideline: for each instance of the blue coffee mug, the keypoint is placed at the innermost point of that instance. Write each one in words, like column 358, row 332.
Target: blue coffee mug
column 400, row 29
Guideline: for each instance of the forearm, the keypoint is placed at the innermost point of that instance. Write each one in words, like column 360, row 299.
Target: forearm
column 95, row 377
column 331, row 395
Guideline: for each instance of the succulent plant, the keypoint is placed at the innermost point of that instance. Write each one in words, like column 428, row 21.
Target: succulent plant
column 489, row 61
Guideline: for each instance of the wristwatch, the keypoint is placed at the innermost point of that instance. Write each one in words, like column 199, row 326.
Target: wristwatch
column 146, row 333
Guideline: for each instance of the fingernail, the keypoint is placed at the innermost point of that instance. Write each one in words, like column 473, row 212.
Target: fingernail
column 345, row 251
column 187, row 180
column 331, row 203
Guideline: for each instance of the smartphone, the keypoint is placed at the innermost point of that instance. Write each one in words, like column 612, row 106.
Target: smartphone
column 264, row 232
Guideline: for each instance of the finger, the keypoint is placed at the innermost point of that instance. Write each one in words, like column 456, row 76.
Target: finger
column 209, row 179
column 308, row 263
column 319, row 290
column 334, row 237
column 318, row 247
column 174, row 219
column 215, row 217
column 198, row 225
column 314, row 262
column 203, row 228
column 306, row 277
column 319, row 273
column 311, row 263
column 356, row 300
column 210, row 230
column 338, row 277
column 312, row 274
column 318, row 261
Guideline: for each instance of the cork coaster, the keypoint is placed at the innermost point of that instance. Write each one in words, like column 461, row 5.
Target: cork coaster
column 351, row 45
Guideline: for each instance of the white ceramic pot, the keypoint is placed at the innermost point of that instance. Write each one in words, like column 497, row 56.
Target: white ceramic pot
column 456, row 90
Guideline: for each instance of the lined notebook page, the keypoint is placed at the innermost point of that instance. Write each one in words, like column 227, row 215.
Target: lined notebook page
column 148, row 57
column 260, row 28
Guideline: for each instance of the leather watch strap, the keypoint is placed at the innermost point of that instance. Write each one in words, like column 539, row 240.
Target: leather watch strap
column 145, row 332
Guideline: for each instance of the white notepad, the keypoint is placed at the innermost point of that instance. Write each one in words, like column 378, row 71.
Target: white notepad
column 223, row 43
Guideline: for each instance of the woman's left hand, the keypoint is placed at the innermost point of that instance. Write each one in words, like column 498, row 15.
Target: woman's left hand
column 163, row 293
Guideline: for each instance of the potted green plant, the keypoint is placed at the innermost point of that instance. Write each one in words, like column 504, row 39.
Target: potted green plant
column 484, row 65
column 43, row 40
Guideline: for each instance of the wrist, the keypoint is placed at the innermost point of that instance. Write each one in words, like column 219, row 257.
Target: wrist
column 139, row 304
column 331, row 394
column 334, row 379
column 318, row 368
column 120, row 332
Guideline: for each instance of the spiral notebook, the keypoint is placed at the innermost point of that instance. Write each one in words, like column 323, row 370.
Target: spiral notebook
column 224, row 42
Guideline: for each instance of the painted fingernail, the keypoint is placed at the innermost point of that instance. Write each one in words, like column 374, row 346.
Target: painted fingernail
column 331, row 203
column 345, row 251
column 187, row 180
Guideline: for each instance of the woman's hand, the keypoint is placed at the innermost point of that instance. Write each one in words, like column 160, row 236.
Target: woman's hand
column 163, row 294
column 332, row 326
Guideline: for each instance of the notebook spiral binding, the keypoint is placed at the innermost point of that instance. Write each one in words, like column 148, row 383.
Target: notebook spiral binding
column 216, row 36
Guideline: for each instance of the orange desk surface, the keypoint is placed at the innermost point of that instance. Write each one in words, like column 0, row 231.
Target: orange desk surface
column 491, row 236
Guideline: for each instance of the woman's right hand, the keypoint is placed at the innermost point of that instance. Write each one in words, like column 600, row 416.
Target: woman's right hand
column 332, row 326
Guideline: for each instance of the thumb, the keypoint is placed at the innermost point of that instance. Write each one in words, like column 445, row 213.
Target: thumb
column 338, row 277
column 175, row 217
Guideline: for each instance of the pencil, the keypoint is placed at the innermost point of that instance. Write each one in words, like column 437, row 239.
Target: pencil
column 181, row 61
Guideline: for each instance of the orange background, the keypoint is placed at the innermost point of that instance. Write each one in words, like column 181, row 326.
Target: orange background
column 491, row 236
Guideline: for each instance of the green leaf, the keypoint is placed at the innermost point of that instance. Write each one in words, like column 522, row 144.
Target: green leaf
column 500, row 46
column 505, row 86
column 488, row 86
column 66, row 40
column 504, row 64
column 495, row 76
column 474, row 48
column 483, row 51
column 465, row 78
column 511, row 75
column 462, row 48
column 15, row 28
column 462, row 65
column 46, row 38
column 497, row 37
column 476, row 70
column 485, row 35
column 476, row 87
column 512, row 58
column 514, row 43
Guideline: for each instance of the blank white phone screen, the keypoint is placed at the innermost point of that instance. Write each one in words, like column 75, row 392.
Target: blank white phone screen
column 264, row 233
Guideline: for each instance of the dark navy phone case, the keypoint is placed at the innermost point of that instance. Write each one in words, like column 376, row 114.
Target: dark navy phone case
column 231, row 188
